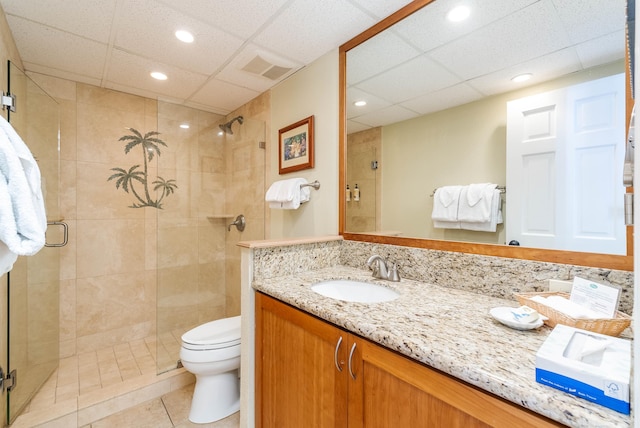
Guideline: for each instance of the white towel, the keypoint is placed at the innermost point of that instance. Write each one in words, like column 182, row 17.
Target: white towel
column 439, row 224
column 476, row 202
column 287, row 194
column 22, row 214
column 495, row 216
column 445, row 204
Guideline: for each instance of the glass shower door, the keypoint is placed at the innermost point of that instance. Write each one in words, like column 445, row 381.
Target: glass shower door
column 34, row 281
column 217, row 177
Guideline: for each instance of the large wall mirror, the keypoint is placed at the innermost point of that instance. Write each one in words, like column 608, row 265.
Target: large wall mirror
column 441, row 109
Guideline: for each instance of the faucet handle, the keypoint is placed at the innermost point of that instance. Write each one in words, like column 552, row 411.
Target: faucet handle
column 393, row 273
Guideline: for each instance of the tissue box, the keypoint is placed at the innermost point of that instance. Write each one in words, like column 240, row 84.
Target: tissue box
column 589, row 365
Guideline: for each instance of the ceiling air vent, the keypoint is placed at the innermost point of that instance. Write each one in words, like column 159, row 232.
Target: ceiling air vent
column 261, row 66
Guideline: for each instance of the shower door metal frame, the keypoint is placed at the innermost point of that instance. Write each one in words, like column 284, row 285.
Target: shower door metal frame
column 33, row 327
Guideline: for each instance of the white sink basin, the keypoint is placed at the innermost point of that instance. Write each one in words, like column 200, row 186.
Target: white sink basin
column 355, row 291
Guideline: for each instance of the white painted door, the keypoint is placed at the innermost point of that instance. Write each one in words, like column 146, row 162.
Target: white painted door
column 565, row 152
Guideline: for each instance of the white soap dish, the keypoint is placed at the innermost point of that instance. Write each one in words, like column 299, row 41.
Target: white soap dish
column 511, row 317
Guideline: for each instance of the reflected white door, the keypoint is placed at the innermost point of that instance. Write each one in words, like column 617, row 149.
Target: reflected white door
column 565, row 152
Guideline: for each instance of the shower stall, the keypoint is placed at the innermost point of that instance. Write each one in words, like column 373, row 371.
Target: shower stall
column 143, row 270
column 219, row 169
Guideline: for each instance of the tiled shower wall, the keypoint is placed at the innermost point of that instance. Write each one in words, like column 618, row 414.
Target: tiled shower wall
column 108, row 273
column 363, row 148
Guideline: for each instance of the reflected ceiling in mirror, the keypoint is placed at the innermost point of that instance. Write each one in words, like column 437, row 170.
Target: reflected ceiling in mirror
column 424, row 64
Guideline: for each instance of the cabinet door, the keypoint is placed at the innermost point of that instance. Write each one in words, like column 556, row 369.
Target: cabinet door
column 390, row 390
column 297, row 381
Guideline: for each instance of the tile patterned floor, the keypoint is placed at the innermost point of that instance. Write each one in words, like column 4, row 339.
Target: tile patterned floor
column 114, row 387
column 171, row 410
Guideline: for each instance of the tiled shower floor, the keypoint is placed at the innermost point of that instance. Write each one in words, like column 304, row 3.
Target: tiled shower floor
column 114, row 387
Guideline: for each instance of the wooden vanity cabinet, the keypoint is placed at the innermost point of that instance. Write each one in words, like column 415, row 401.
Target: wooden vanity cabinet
column 310, row 373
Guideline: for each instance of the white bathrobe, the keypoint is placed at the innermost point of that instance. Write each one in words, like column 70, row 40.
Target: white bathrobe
column 23, row 222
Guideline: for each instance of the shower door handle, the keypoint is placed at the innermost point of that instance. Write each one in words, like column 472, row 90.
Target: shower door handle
column 65, row 237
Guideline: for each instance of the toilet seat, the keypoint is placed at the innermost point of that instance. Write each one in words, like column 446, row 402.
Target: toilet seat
column 218, row 334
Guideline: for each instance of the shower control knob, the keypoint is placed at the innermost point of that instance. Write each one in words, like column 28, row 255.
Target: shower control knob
column 239, row 223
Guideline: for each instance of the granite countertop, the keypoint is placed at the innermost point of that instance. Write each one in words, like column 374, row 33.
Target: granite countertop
column 450, row 330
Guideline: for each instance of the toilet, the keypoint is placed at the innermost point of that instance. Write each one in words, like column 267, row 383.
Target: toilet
column 211, row 352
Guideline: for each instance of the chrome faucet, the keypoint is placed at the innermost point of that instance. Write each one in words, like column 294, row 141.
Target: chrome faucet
column 380, row 269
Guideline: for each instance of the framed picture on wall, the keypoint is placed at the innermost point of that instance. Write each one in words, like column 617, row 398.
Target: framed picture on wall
column 296, row 146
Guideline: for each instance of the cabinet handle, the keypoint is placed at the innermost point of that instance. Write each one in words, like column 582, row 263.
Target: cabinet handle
column 335, row 355
column 353, row 349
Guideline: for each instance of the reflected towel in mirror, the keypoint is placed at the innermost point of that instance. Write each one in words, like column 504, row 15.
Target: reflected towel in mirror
column 445, row 203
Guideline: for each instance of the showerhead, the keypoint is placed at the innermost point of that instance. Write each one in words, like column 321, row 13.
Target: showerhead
column 226, row 127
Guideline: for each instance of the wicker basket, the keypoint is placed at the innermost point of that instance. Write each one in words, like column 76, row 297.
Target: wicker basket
column 609, row 326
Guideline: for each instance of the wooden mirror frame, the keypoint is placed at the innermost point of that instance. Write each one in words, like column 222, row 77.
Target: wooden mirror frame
column 554, row 256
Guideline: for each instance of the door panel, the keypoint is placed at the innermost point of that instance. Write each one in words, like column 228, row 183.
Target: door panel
column 297, row 380
column 34, row 281
column 570, row 138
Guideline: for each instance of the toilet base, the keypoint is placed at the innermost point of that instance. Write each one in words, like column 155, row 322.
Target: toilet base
column 215, row 397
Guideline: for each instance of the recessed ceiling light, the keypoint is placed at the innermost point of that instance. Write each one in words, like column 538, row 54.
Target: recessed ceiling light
column 158, row 75
column 522, row 77
column 360, row 103
column 458, row 13
column 184, row 125
column 184, row 36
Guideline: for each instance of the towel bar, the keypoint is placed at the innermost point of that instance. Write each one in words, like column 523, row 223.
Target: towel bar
column 502, row 189
column 315, row 185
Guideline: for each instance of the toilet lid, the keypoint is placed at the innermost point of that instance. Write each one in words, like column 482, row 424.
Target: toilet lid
column 215, row 334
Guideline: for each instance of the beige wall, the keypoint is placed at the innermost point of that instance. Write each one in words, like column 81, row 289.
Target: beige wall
column 461, row 145
column 311, row 91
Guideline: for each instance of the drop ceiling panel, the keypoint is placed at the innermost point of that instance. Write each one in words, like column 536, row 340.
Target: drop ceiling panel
column 418, row 76
column 309, row 29
column 373, row 103
column 58, row 50
column 543, row 69
column 133, row 71
column 381, row 9
column 147, row 28
column 87, row 18
column 605, row 49
column 62, row 74
column 499, row 45
column 240, row 17
column 223, row 96
column 365, row 60
column 387, row 116
column 574, row 13
column 443, row 99
column 429, row 28
column 354, row 126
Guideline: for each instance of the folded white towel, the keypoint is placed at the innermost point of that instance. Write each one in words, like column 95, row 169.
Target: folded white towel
column 495, row 217
column 287, row 194
column 445, row 204
column 475, row 202
column 439, row 224
column 22, row 214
